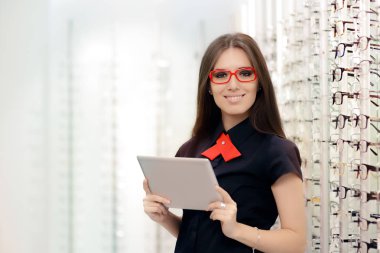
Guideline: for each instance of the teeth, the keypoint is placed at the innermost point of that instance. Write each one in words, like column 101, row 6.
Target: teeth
column 234, row 98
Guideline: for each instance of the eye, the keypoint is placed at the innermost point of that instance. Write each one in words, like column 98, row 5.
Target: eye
column 220, row 74
column 246, row 72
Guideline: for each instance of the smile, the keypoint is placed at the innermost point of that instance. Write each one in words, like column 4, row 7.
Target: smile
column 235, row 98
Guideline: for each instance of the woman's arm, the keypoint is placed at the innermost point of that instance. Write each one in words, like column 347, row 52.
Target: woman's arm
column 172, row 223
column 288, row 192
column 154, row 207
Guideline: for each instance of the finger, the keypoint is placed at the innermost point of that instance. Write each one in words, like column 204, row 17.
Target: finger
column 146, row 186
column 226, row 197
column 156, row 198
column 151, row 204
column 163, row 210
column 216, row 205
column 218, row 216
column 158, row 208
column 226, row 212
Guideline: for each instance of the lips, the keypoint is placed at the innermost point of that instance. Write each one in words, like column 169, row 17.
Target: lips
column 234, row 98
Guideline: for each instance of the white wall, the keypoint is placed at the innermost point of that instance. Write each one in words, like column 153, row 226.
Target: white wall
column 23, row 174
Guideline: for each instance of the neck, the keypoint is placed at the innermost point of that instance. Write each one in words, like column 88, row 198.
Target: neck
column 231, row 121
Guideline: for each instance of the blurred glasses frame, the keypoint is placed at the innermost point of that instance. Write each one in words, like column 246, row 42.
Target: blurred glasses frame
column 361, row 44
column 358, row 70
column 340, row 167
column 336, row 239
column 315, row 241
column 339, row 27
column 339, row 143
column 339, row 4
column 363, row 145
column 338, row 97
column 367, row 196
column 364, row 247
column 363, row 169
column 356, row 13
column 337, row 73
column 341, row 191
column 341, row 49
column 340, row 121
column 362, row 120
column 364, row 223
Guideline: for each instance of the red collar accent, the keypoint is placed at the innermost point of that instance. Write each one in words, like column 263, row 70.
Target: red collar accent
column 224, row 147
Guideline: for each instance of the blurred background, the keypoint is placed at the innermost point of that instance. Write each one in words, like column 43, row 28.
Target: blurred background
column 85, row 86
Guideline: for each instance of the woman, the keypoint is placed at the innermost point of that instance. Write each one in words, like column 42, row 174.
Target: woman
column 259, row 174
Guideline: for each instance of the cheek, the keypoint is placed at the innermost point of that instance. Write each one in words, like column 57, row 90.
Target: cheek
column 253, row 91
column 253, row 96
column 216, row 91
column 218, row 98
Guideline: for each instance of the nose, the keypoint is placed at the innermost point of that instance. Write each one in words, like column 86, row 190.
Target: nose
column 233, row 83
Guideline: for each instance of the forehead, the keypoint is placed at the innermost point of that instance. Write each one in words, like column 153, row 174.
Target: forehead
column 232, row 58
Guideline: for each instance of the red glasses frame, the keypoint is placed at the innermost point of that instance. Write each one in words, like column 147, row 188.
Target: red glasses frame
column 232, row 73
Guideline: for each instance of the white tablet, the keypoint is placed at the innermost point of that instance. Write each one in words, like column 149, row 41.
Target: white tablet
column 189, row 183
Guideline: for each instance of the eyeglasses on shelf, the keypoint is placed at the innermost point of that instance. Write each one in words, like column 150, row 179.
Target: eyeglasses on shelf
column 361, row 44
column 339, row 27
column 363, row 169
column 367, row 196
column 364, row 247
column 364, row 223
column 360, row 120
column 341, row 192
column 338, row 96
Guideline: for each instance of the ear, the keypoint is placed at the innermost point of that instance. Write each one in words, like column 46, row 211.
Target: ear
column 209, row 91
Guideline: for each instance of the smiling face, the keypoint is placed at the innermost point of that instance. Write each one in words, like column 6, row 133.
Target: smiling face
column 234, row 98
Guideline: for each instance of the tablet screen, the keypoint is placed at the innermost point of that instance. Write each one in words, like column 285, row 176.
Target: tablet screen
column 189, row 183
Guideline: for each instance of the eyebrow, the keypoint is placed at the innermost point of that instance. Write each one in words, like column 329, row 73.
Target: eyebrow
column 230, row 69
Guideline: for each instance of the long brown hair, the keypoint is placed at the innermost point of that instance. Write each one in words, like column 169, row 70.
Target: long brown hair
column 263, row 114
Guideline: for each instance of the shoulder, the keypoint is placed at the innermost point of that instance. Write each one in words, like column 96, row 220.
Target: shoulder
column 187, row 148
column 283, row 157
column 278, row 144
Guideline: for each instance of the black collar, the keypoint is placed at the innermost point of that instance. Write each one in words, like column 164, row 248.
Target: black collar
column 238, row 133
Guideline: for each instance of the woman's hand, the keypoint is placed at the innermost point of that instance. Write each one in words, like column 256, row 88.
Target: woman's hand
column 154, row 205
column 225, row 212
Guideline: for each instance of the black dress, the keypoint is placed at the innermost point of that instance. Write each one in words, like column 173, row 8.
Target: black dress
column 248, row 179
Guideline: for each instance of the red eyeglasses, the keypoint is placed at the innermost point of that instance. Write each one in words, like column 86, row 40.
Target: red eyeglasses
column 223, row 76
